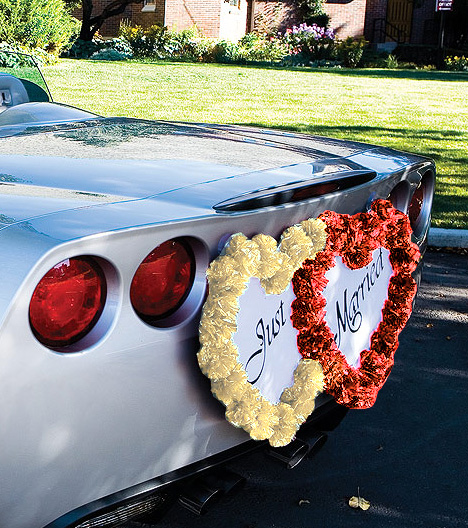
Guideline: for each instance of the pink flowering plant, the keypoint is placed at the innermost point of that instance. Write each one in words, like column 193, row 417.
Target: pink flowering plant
column 312, row 43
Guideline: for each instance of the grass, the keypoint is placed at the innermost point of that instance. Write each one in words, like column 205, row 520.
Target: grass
column 423, row 112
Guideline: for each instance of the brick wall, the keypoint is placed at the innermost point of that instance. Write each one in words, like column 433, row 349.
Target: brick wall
column 425, row 28
column 276, row 15
column 133, row 13
column 376, row 10
column 147, row 18
column 205, row 14
column 347, row 19
column 273, row 15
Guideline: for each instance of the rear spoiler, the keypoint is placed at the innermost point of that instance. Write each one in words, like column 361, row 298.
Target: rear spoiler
column 295, row 192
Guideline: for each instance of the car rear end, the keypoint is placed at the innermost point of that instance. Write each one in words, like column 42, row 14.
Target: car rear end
column 104, row 408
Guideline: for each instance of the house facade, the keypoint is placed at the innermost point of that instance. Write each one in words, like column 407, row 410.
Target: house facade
column 380, row 21
column 221, row 19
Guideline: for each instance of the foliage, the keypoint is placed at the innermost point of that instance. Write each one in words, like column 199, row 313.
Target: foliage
column 391, row 62
column 325, row 63
column 254, row 47
column 456, row 63
column 39, row 55
column 83, row 49
column 189, row 45
column 350, row 50
column 418, row 54
column 109, row 54
column 310, row 43
column 151, row 42
column 44, row 24
column 313, row 12
column 226, row 52
column 160, row 43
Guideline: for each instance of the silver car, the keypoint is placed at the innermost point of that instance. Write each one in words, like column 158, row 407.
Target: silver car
column 104, row 412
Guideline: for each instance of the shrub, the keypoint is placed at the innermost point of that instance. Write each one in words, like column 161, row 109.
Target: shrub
column 44, row 24
column 419, row 54
column 190, row 45
column 349, row 51
column 108, row 54
column 324, row 63
column 391, row 62
column 226, row 52
column 456, row 63
column 153, row 41
column 313, row 12
column 262, row 48
column 310, row 43
column 40, row 56
column 85, row 49
column 157, row 42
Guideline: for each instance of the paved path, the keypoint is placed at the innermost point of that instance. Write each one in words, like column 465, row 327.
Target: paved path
column 408, row 455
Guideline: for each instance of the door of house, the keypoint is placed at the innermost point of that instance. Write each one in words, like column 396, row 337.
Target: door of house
column 399, row 19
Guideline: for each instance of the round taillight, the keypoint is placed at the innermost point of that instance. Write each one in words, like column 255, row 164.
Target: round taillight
column 67, row 302
column 419, row 210
column 416, row 204
column 163, row 281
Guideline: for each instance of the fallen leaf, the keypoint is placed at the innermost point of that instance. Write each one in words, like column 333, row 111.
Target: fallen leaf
column 359, row 502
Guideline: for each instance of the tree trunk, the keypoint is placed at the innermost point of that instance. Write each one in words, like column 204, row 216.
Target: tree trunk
column 85, row 32
column 90, row 25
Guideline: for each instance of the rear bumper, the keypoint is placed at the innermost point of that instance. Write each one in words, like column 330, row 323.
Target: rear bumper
column 156, row 493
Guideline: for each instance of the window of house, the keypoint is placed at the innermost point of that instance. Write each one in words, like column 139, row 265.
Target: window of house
column 148, row 5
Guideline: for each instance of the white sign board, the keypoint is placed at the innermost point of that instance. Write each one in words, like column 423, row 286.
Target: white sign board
column 355, row 299
column 266, row 339
column 444, row 5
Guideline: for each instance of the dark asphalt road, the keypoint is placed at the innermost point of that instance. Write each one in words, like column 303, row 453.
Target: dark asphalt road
column 408, row 455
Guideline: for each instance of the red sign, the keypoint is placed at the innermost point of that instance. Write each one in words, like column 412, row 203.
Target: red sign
column 444, row 5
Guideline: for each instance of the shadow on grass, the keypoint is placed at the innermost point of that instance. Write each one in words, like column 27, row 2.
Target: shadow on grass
column 402, row 74
column 380, row 73
column 385, row 137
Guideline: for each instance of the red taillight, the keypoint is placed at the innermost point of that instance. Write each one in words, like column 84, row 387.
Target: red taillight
column 67, row 302
column 416, row 205
column 163, row 281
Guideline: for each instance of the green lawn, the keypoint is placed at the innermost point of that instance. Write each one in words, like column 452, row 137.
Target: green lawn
column 418, row 111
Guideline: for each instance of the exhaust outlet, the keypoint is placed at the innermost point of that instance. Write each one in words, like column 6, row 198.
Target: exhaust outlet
column 208, row 489
column 199, row 497
column 292, row 454
column 315, row 441
column 225, row 480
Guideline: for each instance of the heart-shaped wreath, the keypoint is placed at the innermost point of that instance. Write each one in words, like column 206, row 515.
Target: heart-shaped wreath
column 228, row 278
column 304, row 255
column 354, row 238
